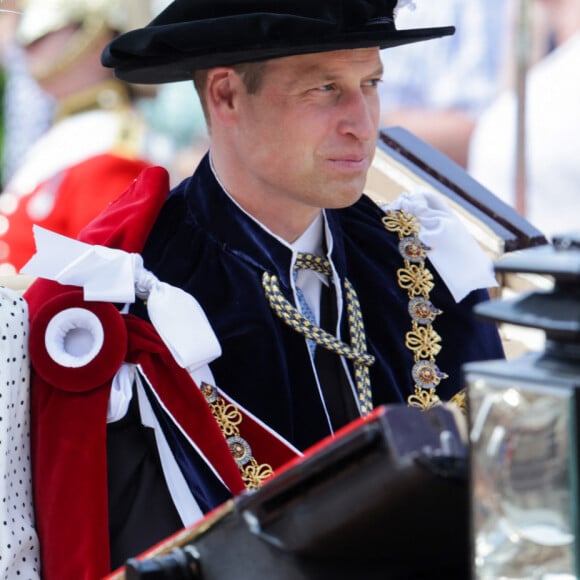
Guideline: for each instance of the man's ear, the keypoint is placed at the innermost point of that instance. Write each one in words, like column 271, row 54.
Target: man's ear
column 223, row 86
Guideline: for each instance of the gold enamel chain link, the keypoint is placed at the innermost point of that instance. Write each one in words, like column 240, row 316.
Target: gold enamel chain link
column 229, row 419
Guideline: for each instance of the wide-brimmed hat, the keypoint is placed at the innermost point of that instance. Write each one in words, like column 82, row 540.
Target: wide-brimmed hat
column 197, row 34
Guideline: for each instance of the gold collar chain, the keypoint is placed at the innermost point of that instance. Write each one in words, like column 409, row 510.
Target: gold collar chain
column 229, row 418
column 422, row 340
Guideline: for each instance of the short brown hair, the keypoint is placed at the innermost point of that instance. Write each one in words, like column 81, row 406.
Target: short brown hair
column 252, row 74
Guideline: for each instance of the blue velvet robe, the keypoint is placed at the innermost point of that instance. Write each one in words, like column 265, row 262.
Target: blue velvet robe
column 204, row 244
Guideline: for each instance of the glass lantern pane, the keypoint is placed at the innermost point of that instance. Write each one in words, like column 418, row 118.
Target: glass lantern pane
column 523, row 479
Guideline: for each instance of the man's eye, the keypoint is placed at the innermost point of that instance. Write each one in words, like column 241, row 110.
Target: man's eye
column 374, row 82
column 325, row 88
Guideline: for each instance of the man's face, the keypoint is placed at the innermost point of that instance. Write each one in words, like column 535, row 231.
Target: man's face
column 306, row 139
column 44, row 52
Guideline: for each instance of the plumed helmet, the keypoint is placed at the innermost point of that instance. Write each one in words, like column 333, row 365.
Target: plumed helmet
column 193, row 34
column 39, row 17
column 95, row 19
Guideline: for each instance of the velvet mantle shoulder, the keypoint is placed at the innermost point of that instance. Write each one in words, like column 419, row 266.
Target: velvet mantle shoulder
column 204, row 243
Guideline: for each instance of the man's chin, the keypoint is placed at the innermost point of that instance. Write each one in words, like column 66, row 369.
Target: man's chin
column 346, row 199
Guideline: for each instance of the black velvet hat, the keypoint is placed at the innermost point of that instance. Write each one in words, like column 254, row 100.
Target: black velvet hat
column 197, row 34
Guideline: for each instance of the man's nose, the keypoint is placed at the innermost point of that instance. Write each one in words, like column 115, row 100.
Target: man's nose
column 360, row 116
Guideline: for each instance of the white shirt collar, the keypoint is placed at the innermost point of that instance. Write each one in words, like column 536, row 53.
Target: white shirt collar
column 311, row 241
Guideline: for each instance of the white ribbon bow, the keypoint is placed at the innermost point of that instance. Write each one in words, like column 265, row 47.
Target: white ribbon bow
column 111, row 275
column 456, row 256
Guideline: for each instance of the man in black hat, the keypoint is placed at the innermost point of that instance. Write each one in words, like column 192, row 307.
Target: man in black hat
column 323, row 305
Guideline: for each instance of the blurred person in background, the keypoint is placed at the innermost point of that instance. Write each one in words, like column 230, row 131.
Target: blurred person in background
column 436, row 91
column 97, row 144
column 552, row 128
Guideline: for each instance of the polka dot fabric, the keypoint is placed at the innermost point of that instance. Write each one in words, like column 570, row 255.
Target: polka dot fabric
column 19, row 552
